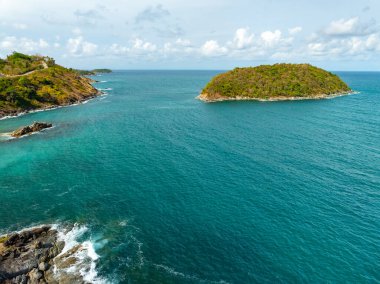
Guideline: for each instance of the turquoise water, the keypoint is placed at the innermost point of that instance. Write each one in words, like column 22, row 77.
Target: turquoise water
column 173, row 190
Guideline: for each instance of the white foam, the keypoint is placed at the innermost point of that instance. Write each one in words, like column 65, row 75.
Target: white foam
column 47, row 109
column 106, row 89
column 173, row 272
column 85, row 255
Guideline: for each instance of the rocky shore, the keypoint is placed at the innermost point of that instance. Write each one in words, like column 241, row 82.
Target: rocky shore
column 39, row 255
column 15, row 113
column 26, row 130
column 215, row 98
column 28, row 256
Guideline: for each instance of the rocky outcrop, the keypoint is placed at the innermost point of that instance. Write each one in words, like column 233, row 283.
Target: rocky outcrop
column 35, row 127
column 28, row 256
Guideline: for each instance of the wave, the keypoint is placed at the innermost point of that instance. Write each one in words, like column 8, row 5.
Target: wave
column 175, row 273
column 105, row 89
column 7, row 136
column 47, row 109
column 81, row 255
column 341, row 95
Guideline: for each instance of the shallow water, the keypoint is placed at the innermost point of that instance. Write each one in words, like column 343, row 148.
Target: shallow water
column 173, row 190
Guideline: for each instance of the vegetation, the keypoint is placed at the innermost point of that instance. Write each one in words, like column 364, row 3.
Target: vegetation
column 34, row 82
column 92, row 72
column 19, row 64
column 279, row 81
column 3, row 239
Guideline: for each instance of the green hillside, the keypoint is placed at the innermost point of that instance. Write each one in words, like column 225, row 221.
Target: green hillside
column 36, row 82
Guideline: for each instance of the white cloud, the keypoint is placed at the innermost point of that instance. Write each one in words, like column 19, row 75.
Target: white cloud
column 179, row 46
column 19, row 26
column 11, row 43
column 348, row 27
column 243, row 38
column 140, row 45
column 343, row 47
column 271, row 38
column 183, row 42
column 373, row 42
column 212, row 48
column 80, row 47
column 295, row 30
column 77, row 31
column 117, row 49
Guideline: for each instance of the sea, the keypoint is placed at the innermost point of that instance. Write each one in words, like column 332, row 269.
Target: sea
column 160, row 187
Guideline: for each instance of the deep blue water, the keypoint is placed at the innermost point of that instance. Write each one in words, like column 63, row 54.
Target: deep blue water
column 174, row 190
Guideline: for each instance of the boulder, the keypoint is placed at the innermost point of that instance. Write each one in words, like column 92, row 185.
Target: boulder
column 35, row 127
column 43, row 266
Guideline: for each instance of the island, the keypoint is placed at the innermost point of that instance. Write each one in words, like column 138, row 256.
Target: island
column 92, row 72
column 29, row 83
column 276, row 82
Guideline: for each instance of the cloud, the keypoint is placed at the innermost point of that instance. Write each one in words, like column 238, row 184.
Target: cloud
column 345, row 47
column 140, row 45
column 137, row 47
column 212, row 48
column 79, row 47
column 295, row 30
column 157, row 21
column 89, row 17
column 271, row 38
column 243, row 38
column 152, row 14
column 182, row 47
column 349, row 27
column 19, row 26
column 23, row 44
column 345, row 38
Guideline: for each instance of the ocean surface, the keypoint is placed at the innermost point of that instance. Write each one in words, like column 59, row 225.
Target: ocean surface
column 162, row 188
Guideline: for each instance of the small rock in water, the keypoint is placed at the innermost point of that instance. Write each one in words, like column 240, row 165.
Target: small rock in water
column 35, row 127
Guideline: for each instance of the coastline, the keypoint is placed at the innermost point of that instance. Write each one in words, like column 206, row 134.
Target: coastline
column 16, row 114
column 48, row 254
column 217, row 98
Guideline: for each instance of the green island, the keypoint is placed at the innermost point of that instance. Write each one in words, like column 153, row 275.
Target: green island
column 274, row 83
column 92, row 72
column 36, row 82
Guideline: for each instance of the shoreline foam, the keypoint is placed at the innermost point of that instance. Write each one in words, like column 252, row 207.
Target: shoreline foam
column 53, row 253
column 203, row 97
column 22, row 113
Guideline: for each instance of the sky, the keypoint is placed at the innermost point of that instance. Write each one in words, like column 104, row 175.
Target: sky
column 198, row 34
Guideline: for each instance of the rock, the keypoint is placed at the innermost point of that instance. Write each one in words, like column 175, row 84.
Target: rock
column 35, row 275
column 60, row 245
column 22, row 279
column 35, row 127
column 31, row 256
column 37, row 245
column 43, row 266
column 11, row 240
